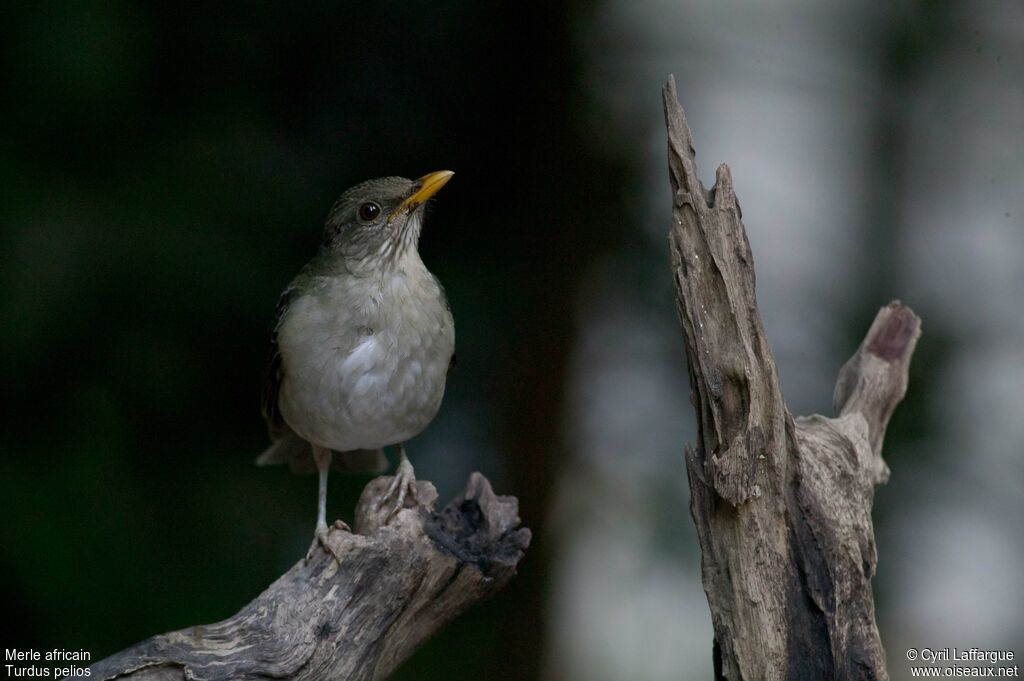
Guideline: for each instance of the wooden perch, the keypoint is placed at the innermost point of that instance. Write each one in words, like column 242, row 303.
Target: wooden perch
column 397, row 585
column 782, row 505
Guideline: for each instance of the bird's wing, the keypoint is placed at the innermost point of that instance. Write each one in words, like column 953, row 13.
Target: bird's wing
column 448, row 306
column 274, row 372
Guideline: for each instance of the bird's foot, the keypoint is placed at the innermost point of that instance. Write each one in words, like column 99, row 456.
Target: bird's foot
column 320, row 539
column 405, row 478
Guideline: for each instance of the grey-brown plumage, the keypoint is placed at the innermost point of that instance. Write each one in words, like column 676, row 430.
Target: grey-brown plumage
column 362, row 342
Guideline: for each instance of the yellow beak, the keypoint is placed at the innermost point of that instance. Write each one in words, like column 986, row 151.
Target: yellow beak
column 429, row 185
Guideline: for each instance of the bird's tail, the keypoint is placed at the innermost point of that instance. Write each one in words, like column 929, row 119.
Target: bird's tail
column 296, row 452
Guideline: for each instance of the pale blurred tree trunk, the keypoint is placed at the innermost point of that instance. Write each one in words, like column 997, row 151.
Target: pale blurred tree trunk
column 782, row 504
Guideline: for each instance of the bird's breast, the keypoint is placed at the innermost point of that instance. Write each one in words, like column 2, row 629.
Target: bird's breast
column 365, row 361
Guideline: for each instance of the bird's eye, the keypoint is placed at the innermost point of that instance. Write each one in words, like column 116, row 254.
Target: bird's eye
column 368, row 211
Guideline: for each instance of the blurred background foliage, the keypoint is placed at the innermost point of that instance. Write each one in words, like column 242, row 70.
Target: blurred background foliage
column 166, row 170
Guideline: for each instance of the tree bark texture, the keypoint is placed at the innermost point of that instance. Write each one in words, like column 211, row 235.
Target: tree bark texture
column 782, row 505
column 398, row 582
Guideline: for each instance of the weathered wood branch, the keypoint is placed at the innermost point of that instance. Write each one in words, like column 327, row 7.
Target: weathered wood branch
column 782, row 505
column 398, row 584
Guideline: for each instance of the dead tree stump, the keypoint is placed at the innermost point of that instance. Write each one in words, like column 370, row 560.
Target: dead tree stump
column 782, row 505
column 398, row 584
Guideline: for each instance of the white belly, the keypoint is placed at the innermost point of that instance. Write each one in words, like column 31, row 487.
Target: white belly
column 367, row 374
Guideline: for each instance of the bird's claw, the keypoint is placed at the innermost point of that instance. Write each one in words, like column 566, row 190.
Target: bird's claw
column 401, row 484
column 320, row 539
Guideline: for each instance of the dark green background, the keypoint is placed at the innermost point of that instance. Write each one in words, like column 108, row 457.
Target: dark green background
column 167, row 171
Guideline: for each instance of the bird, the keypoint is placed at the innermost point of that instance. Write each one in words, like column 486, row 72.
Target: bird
column 362, row 343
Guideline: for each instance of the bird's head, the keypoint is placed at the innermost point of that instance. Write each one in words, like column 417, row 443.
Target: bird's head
column 374, row 224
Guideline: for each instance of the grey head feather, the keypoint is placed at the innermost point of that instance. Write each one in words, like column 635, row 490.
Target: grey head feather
column 367, row 227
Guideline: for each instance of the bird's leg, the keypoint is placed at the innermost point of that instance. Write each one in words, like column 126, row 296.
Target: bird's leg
column 404, row 479
column 322, row 457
